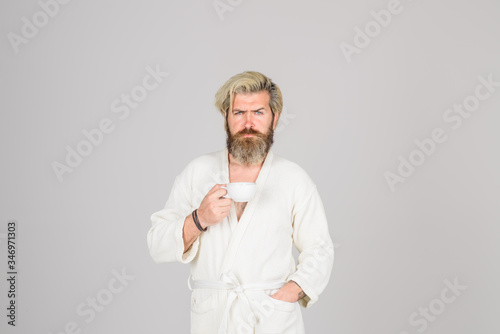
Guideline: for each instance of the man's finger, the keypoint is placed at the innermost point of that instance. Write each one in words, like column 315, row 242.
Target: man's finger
column 225, row 201
column 215, row 188
column 223, row 205
column 219, row 193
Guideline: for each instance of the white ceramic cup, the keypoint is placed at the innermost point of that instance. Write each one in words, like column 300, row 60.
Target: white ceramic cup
column 240, row 191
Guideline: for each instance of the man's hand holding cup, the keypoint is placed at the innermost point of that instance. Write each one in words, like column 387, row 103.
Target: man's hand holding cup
column 214, row 208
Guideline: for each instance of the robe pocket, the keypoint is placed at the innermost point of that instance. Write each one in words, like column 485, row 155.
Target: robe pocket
column 202, row 313
column 280, row 317
column 201, row 305
column 281, row 305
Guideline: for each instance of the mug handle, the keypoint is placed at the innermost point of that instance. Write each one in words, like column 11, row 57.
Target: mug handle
column 227, row 194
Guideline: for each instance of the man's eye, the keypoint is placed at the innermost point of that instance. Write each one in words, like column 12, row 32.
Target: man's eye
column 259, row 112
column 238, row 112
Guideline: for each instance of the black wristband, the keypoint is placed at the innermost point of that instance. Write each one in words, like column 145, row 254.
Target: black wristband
column 197, row 222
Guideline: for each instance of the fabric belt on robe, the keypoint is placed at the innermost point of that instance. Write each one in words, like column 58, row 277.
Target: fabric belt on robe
column 230, row 282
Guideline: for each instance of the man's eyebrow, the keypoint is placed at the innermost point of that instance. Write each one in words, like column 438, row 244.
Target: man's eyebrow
column 261, row 108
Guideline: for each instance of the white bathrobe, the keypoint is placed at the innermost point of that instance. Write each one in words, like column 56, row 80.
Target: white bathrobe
column 237, row 265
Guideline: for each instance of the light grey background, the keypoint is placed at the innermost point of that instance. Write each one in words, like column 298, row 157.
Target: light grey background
column 347, row 124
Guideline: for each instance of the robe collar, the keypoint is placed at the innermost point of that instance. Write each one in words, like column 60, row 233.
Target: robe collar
column 238, row 228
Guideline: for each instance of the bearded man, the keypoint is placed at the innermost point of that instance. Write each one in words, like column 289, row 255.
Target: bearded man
column 244, row 278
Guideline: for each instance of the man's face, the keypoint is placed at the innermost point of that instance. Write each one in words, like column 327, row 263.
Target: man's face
column 250, row 127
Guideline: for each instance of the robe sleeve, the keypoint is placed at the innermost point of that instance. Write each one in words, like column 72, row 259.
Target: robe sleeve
column 165, row 236
column 312, row 239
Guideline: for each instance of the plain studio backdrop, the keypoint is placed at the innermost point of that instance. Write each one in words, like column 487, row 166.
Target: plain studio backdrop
column 390, row 106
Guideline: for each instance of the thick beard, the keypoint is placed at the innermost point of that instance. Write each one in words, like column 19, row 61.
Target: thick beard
column 249, row 151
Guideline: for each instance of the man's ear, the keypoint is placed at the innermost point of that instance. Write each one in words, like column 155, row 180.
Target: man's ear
column 276, row 117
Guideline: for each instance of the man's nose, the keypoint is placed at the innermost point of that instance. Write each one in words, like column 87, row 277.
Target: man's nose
column 249, row 121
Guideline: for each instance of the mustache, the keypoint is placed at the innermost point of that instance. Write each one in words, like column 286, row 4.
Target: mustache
column 249, row 131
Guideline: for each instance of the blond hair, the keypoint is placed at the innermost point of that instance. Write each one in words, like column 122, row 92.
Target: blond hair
column 248, row 82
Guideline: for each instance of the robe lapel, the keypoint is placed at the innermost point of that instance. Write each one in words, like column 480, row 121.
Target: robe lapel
column 238, row 228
